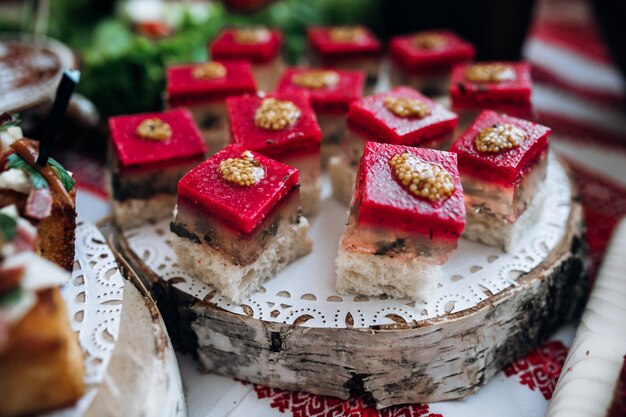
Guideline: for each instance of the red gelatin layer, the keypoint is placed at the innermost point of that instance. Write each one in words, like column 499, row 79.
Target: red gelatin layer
column 466, row 93
column 506, row 167
column 381, row 200
column 303, row 137
column 237, row 206
column 323, row 44
column 133, row 151
column 225, row 46
column 332, row 99
column 184, row 89
column 407, row 53
column 370, row 117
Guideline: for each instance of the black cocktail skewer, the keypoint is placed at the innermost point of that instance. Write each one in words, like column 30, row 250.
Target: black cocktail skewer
column 64, row 93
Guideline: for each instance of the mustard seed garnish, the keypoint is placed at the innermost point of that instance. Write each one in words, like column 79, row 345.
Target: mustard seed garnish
column 244, row 171
column 429, row 41
column 407, row 107
column 489, row 73
column 251, row 35
column 316, row 79
column 154, row 129
column 498, row 138
column 347, row 34
column 209, row 70
column 273, row 114
column 423, row 179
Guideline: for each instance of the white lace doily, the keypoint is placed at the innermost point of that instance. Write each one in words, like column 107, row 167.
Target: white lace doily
column 304, row 291
column 94, row 302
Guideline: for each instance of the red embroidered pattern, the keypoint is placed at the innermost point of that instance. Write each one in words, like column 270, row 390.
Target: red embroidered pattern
column 540, row 369
column 305, row 405
column 604, row 204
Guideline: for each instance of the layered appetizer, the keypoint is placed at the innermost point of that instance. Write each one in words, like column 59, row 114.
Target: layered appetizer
column 283, row 127
column 424, row 60
column 406, row 217
column 347, row 47
column 45, row 195
column 330, row 92
column 41, row 363
column 505, row 87
column 238, row 221
column 150, row 153
column 401, row 116
column 203, row 88
column 502, row 161
column 258, row 45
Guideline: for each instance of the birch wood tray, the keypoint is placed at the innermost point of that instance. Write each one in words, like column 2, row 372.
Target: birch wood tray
column 297, row 333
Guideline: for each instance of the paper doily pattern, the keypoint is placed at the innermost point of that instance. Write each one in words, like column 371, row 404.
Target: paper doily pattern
column 304, row 292
column 94, row 301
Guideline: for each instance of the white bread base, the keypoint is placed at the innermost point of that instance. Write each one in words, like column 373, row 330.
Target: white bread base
column 485, row 227
column 310, row 197
column 342, row 179
column 369, row 274
column 236, row 282
column 136, row 211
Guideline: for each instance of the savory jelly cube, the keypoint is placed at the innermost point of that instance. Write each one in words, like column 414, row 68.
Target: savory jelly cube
column 424, row 60
column 348, row 47
column 502, row 161
column 505, row 87
column 203, row 88
column 259, row 45
column 330, row 92
column 401, row 116
column 281, row 126
column 407, row 215
column 151, row 152
column 238, row 220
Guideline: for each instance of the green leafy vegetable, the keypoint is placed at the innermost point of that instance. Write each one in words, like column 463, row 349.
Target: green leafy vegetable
column 61, row 172
column 8, row 120
column 16, row 162
column 8, row 227
column 11, row 297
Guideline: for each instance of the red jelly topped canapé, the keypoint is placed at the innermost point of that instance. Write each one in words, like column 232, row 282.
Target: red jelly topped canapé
column 343, row 41
column 256, row 44
column 401, row 116
column 156, row 139
column 208, row 82
column 275, row 125
column 473, row 85
column 430, row 51
column 218, row 188
column 383, row 200
column 330, row 90
column 500, row 148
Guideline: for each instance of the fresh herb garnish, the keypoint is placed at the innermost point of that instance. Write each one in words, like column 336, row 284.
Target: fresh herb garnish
column 16, row 162
column 8, row 227
column 11, row 297
column 8, row 120
column 64, row 176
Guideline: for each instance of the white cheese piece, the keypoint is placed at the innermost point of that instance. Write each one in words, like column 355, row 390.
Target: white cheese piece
column 8, row 136
column 16, row 180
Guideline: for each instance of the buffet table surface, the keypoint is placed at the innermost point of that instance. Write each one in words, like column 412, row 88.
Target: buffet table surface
column 590, row 135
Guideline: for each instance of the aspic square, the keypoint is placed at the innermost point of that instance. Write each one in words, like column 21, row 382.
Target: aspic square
column 238, row 221
column 203, row 88
column 281, row 126
column 401, row 116
column 258, row 45
column 406, row 217
column 150, row 153
column 502, row 161
column 330, row 92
